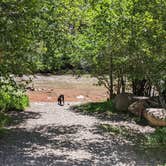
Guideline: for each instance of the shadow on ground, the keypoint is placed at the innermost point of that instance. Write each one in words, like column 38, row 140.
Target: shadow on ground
column 59, row 145
column 113, row 117
column 19, row 117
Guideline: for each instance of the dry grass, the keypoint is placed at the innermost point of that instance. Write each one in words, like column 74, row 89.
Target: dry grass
column 48, row 88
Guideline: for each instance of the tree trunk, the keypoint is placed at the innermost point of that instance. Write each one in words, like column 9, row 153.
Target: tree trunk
column 139, row 87
column 147, row 88
column 111, row 77
column 123, row 84
column 162, row 101
column 118, row 85
column 162, row 97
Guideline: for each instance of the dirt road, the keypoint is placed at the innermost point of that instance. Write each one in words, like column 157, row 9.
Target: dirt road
column 49, row 135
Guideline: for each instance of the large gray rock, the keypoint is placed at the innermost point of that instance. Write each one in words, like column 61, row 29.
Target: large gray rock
column 156, row 116
column 137, row 108
column 122, row 101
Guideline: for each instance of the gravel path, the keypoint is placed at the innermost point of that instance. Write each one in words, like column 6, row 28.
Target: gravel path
column 49, row 135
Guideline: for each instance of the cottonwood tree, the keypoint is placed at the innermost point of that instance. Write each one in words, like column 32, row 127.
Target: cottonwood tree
column 104, row 39
column 17, row 33
column 124, row 38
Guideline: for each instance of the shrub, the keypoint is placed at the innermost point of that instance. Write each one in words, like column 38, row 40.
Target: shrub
column 12, row 96
column 4, row 120
column 158, row 137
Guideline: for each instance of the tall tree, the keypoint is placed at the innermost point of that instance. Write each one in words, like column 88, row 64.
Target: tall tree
column 18, row 42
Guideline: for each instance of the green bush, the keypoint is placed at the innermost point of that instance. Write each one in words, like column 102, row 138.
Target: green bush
column 4, row 120
column 158, row 137
column 12, row 96
column 113, row 129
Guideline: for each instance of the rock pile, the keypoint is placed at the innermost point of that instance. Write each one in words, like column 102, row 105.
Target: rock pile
column 141, row 106
column 156, row 116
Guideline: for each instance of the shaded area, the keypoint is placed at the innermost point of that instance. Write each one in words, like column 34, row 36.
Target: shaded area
column 53, row 135
column 106, row 111
column 58, row 145
column 19, row 117
column 102, row 111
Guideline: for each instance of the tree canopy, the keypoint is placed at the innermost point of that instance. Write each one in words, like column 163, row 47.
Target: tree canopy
column 122, row 39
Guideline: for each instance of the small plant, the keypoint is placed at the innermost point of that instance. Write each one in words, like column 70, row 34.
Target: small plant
column 3, row 131
column 4, row 120
column 117, row 130
column 12, row 96
column 112, row 129
column 158, row 137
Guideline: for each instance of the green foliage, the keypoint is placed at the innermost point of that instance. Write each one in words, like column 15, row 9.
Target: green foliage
column 3, row 131
column 158, row 137
column 113, row 129
column 12, row 96
column 125, row 133
column 111, row 39
column 4, row 120
column 18, row 32
column 98, row 107
column 123, row 39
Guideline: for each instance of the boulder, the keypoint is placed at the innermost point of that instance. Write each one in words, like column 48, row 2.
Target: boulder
column 137, row 108
column 122, row 101
column 156, row 116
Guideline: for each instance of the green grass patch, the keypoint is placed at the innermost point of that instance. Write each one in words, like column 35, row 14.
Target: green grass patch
column 158, row 137
column 98, row 107
column 116, row 130
column 5, row 120
column 125, row 133
column 12, row 96
column 3, row 131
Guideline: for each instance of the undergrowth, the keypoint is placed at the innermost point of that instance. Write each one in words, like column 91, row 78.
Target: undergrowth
column 12, row 96
column 5, row 120
column 157, row 138
column 99, row 107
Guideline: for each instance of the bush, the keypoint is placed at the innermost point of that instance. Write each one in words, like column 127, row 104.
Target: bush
column 158, row 137
column 12, row 96
column 4, row 120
